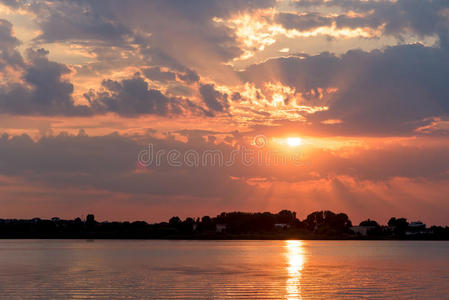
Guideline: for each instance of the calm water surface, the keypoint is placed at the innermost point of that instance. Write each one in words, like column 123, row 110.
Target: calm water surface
column 79, row 269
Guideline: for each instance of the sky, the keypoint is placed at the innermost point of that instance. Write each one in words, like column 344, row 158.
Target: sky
column 355, row 90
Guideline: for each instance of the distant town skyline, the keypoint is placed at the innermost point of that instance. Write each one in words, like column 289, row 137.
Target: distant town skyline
column 356, row 91
column 226, row 225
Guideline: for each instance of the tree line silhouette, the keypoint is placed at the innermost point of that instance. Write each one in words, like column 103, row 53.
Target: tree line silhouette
column 227, row 225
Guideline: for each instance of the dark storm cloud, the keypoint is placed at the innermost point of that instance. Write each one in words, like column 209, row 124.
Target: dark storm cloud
column 214, row 100
column 11, row 3
column 400, row 89
column 131, row 97
column 108, row 163
column 303, row 74
column 153, row 33
column 41, row 88
column 189, row 76
column 75, row 21
column 310, row 21
column 9, row 56
column 45, row 92
column 380, row 92
column 156, row 74
column 67, row 154
column 423, row 17
column 179, row 25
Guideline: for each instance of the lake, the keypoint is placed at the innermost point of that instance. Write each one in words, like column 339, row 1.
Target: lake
column 160, row 269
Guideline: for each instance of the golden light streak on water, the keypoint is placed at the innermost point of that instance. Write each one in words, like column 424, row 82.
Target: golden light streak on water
column 295, row 258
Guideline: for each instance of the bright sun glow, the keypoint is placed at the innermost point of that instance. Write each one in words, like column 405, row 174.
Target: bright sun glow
column 294, row 141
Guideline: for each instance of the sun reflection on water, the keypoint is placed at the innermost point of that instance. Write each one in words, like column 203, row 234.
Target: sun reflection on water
column 295, row 260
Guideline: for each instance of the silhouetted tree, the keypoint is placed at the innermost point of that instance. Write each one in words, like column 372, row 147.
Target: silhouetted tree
column 286, row 217
column 369, row 223
column 187, row 225
column 376, row 230
column 206, row 224
column 328, row 222
column 392, row 222
column 321, row 222
column 399, row 226
column 90, row 221
column 174, row 221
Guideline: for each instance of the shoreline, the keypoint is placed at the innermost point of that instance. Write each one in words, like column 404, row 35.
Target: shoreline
column 245, row 238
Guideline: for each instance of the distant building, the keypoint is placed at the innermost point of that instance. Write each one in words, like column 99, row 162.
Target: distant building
column 90, row 218
column 220, row 227
column 362, row 230
column 417, row 225
column 90, row 221
column 281, row 226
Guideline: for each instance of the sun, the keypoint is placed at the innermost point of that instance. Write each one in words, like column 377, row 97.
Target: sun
column 294, row 141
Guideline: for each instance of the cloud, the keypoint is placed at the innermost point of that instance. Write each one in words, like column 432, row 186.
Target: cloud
column 189, row 76
column 422, row 17
column 302, row 22
column 155, row 33
column 390, row 92
column 214, row 100
column 9, row 56
column 35, row 85
column 108, row 163
column 107, row 158
column 11, row 3
column 39, row 87
column 155, row 73
column 76, row 21
column 355, row 179
column 131, row 97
